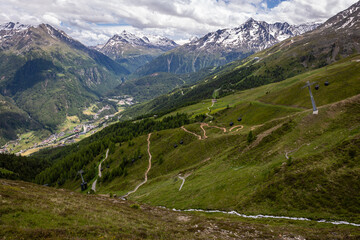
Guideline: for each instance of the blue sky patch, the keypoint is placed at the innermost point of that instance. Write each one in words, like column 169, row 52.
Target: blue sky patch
column 273, row 3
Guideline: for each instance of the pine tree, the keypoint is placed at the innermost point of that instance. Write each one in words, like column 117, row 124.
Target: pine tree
column 250, row 137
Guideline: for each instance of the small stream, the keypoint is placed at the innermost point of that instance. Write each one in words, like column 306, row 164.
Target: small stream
column 266, row 216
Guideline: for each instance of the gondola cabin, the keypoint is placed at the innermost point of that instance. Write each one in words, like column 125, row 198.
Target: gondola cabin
column 83, row 186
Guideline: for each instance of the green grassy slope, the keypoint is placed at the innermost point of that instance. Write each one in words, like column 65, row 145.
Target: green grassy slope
column 343, row 83
column 229, row 171
column 343, row 78
column 30, row 211
column 258, row 178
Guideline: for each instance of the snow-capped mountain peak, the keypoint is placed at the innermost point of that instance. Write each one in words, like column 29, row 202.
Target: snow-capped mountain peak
column 10, row 26
column 149, row 40
column 126, row 39
column 10, row 29
column 250, row 20
column 251, row 35
column 7, row 30
column 160, row 41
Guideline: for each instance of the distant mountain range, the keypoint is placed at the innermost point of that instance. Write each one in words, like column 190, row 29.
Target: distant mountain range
column 133, row 51
column 223, row 46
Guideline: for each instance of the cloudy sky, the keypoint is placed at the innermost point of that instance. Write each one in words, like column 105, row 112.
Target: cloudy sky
column 94, row 21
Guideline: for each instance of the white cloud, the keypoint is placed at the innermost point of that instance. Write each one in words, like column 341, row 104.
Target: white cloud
column 301, row 11
column 51, row 19
column 94, row 21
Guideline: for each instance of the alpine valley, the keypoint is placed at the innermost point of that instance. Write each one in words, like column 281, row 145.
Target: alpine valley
column 214, row 139
column 40, row 62
column 47, row 77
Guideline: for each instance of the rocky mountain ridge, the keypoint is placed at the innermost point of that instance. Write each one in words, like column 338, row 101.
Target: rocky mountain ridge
column 133, row 51
column 126, row 38
column 223, row 46
column 251, row 36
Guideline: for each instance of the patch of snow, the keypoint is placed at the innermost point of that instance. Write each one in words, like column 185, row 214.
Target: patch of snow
column 350, row 20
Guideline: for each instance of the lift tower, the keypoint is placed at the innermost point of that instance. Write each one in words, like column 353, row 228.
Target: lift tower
column 83, row 184
column 308, row 84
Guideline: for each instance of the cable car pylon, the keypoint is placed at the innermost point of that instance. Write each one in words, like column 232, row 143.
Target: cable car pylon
column 83, row 184
column 308, row 84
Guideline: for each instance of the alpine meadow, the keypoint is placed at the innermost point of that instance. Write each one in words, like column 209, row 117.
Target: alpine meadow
column 113, row 126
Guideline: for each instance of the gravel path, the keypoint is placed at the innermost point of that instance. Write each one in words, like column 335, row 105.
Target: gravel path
column 204, row 131
column 202, row 125
column 222, row 128
column 196, row 135
column 239, row 127
column 183, row 180
column 93, row 186
column 146, row 173
column 208, row 114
